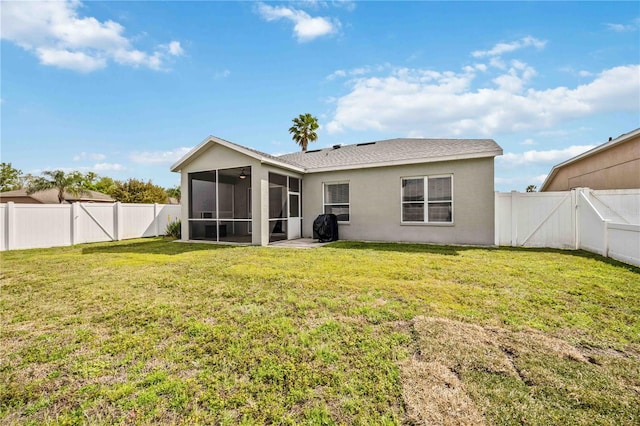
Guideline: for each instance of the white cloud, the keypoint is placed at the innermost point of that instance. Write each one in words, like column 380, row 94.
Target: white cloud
column 104, row 167
column 98, row 167
column 89, row 156
column 305, row 27
column 445, row 104
column 540, row 178
column 78, row 61
column 59, row 37
column 174, row 48
column 337, row 73
column 519, row 182
column 357, row 71
column 349, row 5
column 527, row 142
column 222, row 74
column 159, row 157
column 497, row 63
column 549, row 157
column 622, row 28
column 572, row 71
column 502, row 48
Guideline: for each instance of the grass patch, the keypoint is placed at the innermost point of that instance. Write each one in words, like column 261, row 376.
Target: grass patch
column 151, row 331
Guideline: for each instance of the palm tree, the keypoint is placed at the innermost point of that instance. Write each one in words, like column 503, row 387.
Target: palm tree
column 64, row 182
column 304, row 130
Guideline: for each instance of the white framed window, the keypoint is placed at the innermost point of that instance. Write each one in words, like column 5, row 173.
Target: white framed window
column 335, row 199
column 427, row 199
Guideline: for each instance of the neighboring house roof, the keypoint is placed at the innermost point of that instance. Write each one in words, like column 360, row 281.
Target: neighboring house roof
column 389, row 152
column 600, row 148
column 50, row 196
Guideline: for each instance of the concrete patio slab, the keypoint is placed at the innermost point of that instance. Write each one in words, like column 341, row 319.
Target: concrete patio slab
column 301, row 243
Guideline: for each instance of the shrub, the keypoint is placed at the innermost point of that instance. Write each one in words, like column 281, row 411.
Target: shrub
column 174, row 229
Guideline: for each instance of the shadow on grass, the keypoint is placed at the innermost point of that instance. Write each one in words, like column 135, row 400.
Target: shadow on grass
column 455, row 250
column 154, row 246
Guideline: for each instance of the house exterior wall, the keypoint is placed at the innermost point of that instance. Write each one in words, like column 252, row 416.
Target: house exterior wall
column 615, row 168
column 375, row 203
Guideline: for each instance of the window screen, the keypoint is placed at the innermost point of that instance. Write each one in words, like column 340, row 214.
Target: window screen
column 434, row 206
column 336, row 200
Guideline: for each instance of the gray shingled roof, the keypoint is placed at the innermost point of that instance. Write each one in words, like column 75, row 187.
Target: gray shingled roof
column 393, row 151
column 260, row 153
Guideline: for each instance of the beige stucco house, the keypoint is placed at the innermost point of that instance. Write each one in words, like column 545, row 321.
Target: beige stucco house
column 612, row 165
column 413, row 190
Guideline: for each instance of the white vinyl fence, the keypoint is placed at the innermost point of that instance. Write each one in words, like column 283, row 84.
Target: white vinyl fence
column 24, row 226
column 606, row 222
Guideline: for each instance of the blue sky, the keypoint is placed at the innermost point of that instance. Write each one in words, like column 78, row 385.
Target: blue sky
column 126, row 88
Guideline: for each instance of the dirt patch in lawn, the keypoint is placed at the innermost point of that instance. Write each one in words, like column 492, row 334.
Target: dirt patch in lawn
column 434, row 395
column 447, row 352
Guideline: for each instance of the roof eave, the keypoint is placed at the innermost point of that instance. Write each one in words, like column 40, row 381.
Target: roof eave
column 283, row 165
column 484, row 154
column 178, row 164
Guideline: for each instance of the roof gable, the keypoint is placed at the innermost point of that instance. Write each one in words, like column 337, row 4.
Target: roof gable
column 600, row 148
column 249, row 152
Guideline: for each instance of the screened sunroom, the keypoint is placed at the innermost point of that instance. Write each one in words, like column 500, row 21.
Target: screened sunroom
column 220, row 205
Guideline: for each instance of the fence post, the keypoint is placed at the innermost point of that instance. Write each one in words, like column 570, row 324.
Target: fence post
column 514, row 219
column 605, row 242
column 75, row 215
column 118, row 224
column 579, row 209
column 496, row 220
column 574, row 219
column 156, row 222
column 9, row 227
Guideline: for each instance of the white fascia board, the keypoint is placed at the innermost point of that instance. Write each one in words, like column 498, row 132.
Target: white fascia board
column 264, row 160
column 176, row 166
column 283, row 165
column 493, row 153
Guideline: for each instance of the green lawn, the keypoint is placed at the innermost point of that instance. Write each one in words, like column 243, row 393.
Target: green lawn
column 158, row 332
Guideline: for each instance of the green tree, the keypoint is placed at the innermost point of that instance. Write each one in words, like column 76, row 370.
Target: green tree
column 532, row 188
column 106, row 185
column 94, row 182
column 174, row 192
column 304, row 129
column 89, row 180
column 65, row 183
column 137, row 191
column 25, row 180
column 9, row 177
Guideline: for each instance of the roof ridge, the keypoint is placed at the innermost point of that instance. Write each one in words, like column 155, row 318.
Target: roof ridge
column 392, row 151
